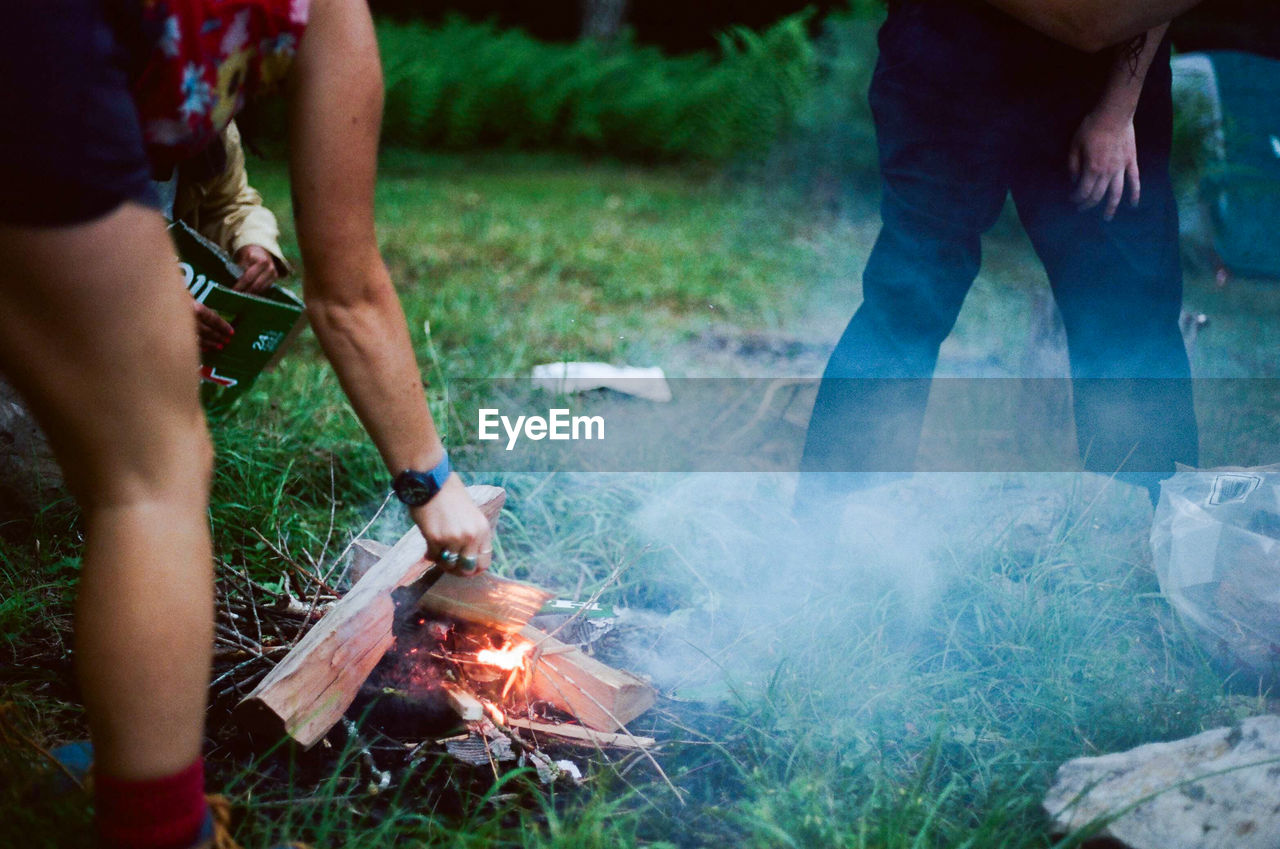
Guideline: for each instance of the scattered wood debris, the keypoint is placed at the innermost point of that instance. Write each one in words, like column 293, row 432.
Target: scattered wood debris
column 467, row 706
column 581, row 735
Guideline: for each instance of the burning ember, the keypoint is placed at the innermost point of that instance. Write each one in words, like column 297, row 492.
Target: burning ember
column 406, row 693
column 444, row 671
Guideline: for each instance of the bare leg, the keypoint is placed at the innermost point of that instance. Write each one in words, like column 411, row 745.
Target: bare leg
column 97, row 332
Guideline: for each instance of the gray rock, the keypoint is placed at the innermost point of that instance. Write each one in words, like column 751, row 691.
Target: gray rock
column 1216, row 790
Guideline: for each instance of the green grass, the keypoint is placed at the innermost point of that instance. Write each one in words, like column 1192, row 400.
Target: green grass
column 914, row 685
column 519, row 259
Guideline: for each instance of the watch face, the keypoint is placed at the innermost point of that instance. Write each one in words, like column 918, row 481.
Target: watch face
column 412, row 491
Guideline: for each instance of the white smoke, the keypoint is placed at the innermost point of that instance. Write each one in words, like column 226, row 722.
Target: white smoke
column 772, row 589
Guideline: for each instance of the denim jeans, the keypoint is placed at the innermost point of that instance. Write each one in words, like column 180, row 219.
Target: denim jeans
column 969, row 107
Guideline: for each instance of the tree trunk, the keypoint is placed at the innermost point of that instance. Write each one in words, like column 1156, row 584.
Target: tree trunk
column 602, row 19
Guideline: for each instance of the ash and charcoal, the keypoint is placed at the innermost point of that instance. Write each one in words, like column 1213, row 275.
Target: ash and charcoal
column 481, row 748
column 403, row 706
column 403, row 696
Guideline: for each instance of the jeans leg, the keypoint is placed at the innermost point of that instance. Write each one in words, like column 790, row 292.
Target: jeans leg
column 941, row 162
column 1118, row 285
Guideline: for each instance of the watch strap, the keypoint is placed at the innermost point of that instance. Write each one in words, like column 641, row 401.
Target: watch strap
column 416, row 488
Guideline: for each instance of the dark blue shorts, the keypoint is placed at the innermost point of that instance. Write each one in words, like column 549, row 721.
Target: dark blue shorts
column 71, row 146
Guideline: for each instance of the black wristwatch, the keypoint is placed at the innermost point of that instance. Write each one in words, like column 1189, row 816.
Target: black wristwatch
column 417, row 488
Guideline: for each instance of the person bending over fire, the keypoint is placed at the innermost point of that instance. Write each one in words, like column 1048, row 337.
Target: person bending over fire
column 96, row 96
column 971, row 105
column 211, row 194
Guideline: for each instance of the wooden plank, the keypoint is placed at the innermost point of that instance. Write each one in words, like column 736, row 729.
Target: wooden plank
column 582, row 735
column 488, row 600
column 466, row 706
column 308, row 691
column 599, row 696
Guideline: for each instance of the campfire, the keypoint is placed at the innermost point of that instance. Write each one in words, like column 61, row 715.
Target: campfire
column 468, row 651
column 442, row 670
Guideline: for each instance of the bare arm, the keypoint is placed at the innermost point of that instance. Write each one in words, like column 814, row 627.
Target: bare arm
column 1129, row 74
column 1104, row 153
column 1093, row 25
column 352, row 305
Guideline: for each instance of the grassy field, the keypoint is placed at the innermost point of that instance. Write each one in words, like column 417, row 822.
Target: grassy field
column 914, row 683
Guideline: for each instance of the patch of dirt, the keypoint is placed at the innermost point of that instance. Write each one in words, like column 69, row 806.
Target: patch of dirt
column 723, row 352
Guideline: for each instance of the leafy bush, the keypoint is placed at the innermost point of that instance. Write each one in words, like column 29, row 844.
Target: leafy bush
column 465, row 85
column 830, row 151
column 1194, row 138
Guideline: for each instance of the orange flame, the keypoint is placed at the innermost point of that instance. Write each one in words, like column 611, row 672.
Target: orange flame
column 507, row 658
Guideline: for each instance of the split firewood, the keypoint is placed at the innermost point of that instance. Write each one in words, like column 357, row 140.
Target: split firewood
column 495, row 603
column 583, row 735
column 598, row 696
column 466, row 706
column 308, row 691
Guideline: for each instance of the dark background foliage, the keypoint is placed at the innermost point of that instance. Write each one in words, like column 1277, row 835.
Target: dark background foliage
column 679, row 26
column 1252, row 25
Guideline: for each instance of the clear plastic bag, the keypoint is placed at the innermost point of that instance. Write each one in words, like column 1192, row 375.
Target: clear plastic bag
column 1216, row 544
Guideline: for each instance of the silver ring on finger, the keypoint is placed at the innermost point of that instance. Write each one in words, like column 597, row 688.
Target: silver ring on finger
column 448, row 557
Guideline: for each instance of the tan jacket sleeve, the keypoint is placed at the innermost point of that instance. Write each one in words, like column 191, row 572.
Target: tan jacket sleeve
column 227, row 210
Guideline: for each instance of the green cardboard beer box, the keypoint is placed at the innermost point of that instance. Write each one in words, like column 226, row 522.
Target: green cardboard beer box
column 264, row 324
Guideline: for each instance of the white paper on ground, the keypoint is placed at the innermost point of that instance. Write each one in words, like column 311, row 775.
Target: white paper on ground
column 565, row 378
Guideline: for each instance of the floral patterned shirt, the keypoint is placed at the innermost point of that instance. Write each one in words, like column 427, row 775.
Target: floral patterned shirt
column 205, row 59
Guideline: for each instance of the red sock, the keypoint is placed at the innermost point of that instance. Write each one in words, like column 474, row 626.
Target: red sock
column 160, row 813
